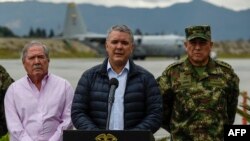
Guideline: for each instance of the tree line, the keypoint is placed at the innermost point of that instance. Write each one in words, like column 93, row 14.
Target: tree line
column 33, row 33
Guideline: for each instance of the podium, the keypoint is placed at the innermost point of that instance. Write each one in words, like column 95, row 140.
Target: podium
column 107, row 135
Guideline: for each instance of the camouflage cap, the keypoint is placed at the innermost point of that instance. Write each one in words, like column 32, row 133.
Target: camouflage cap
column 201, row 31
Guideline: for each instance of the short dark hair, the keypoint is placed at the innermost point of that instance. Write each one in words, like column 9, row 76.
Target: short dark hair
column 121, row 28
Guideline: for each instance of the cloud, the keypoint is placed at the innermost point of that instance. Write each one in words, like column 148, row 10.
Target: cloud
column 236, row 5
column 110, row 3
column 12, row 0
column 126, row 3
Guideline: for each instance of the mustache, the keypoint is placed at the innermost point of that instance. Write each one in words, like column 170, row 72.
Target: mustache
column 37, row 66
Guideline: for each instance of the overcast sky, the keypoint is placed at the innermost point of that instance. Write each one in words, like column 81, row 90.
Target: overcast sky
column 230, row 4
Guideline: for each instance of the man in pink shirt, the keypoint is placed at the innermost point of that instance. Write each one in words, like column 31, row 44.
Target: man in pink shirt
column 37, row 106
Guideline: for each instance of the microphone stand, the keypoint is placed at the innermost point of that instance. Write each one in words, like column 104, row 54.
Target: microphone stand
column 110, row 103
column 113, row 85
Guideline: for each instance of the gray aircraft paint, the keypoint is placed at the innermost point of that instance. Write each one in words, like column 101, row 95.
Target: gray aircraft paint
column 146, row 45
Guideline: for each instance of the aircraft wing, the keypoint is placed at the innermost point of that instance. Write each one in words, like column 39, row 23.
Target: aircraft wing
column 95, row 37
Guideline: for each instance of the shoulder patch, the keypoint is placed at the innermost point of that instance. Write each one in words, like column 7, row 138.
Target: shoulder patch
column 174, row 64
column 224, row 64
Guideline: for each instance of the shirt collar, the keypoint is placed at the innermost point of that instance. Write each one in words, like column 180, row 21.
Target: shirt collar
column 45, row 78
column 126, row 67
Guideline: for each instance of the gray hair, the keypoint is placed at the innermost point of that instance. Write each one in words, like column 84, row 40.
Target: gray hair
column 30, row 45
column 121, row 28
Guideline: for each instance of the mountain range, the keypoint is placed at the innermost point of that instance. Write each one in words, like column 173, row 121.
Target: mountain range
column 226, row 24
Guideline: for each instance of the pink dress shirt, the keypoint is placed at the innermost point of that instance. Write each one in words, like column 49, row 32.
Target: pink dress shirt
column 34, row 115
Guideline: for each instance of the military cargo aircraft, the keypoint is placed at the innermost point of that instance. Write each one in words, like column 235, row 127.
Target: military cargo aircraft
column 145, row 45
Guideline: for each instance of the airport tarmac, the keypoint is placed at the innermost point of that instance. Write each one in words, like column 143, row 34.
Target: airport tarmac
column 72, row 69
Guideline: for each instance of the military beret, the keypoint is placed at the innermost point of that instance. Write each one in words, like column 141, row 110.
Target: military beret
column 200, row 31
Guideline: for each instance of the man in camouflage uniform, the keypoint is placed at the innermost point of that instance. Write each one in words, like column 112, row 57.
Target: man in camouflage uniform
column 200, row 94
column 5, row 81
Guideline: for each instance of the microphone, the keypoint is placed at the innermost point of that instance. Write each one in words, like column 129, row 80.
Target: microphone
column 113, row 82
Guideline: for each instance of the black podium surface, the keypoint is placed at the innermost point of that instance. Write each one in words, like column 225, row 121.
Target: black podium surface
column 107, row 135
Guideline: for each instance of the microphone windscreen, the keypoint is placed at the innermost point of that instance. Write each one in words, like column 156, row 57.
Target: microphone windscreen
column 113, row 81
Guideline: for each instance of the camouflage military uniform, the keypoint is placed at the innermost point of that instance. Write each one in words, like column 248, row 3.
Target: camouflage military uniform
column 5, row 81
column 197, row 106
